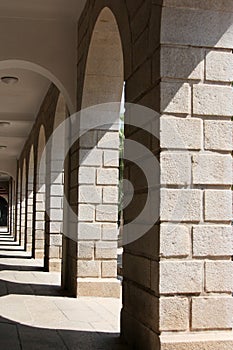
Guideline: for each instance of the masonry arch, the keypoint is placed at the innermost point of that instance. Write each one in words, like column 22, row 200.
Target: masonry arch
column 12, row 64
column 104, row 74
column 31, row 66
column 97, row 216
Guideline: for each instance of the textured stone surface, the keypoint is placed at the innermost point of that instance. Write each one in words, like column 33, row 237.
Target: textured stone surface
column 195, row 27
column 109, row 269
column 137, row 269
column 85, row 250
column 90, row 194
column 181, row 205
column 212, row 240
column 219, row 66
column 86, row 212
column 106, row 250
column 175, row 168
column 109, row 232
column 175, row 240
column 108, row 140
column 174, row 314
column 214, row 5
column 101, row 287
column 185, row 63
column 86, row 175
column 197, row 341
column 212, row 169
column 181, row 133
column 182, row 277
column 107, row 176
column 219, row 276
column 88, row 268
column 111, row 158
column 218, row 205
column 89, row 231
column 212, row 313
column 212, row 100
column 175, row 98
column 110, row 194
column 218, row 135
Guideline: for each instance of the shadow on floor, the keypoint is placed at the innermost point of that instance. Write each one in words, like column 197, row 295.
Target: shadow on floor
column 15, row 336
column 5, row 267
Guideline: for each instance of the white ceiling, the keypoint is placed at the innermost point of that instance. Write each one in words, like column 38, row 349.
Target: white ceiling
column 47, row 9
column 19, row 105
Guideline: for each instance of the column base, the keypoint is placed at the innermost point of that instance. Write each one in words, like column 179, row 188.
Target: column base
column 98, row 287
column 215, row 340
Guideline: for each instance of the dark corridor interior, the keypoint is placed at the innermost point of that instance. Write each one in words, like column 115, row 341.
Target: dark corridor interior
column 3, row 212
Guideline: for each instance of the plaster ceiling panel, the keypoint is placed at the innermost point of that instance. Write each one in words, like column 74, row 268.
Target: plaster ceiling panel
column 19, row 105
column 24, row 96
column 42, row 9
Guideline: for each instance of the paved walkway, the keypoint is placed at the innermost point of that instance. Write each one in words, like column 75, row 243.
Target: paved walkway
column 35, row 315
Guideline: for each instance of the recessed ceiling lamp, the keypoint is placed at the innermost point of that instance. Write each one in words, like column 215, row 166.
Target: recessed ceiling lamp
column 4, row 124
column 2, row 147
column 10, row 80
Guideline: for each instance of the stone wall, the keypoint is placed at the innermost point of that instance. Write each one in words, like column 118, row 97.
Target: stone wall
column 196, row 175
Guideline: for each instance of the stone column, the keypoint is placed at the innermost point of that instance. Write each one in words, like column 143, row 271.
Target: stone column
column 178, row 278
column 40, row 221
column 18, row 208
column 196, row 242
column 54, row 220
column 30, row 196
column 98, row 178
column 23, row 226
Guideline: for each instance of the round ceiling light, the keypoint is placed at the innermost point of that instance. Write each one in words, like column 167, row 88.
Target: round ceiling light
column 9, row 80
column 2, row 147
column 4, row 124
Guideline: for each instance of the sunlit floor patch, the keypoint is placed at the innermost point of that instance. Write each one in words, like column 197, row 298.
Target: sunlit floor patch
column 35, row 314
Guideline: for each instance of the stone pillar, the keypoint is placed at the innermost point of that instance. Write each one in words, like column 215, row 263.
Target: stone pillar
column 12, row 209
column 18, row 207
column 54, row 219
column 98, row 178
column 177, row 289
column 23, row 226
column 196, row 244
column 30, row 198
column 40, row 223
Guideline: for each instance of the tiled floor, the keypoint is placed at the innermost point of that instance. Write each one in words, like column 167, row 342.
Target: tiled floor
column 35, row 314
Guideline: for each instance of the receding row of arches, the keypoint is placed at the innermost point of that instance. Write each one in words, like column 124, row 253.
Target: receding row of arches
column 35, row 199
column 40, row 186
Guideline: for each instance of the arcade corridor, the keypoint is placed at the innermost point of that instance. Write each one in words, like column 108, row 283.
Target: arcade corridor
column 116, row 135
column 36, row 315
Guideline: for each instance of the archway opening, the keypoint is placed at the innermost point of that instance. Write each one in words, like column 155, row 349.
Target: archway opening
column 98, row 169
column 39, row 230
column 3, row 212
column 23, row 232
column 30, row 200
column 55, row 191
